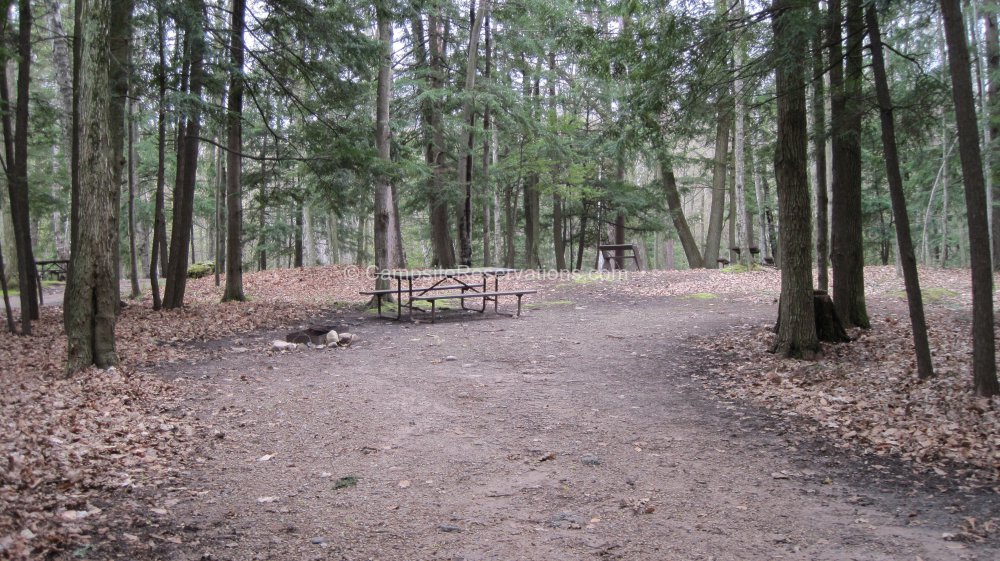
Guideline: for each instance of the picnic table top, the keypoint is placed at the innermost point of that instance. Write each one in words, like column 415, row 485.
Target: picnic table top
column 410, row 274
column 616, row 246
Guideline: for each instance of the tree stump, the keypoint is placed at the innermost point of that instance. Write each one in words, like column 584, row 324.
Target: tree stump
column 829, row 328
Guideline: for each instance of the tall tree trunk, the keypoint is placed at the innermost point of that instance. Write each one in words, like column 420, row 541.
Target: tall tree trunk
column 904, row 242
column 443, row 249
column 17, row 167
column 385, row 239
column 743, row 220
column 158, row 253
column 764, row 237
column 92, row 295
column 993, row 93
column 184, row 197
column 468, row 121
column 848, row 243
column 983, row 343
column 63, row 77
column 488, row 207
column 234, row 159
column 74, row 166
column 669, row 182
column 819, row 149
column 796, row 327
column 583, row 235
column 133, row 256
column 717, row 215
column 558, row 236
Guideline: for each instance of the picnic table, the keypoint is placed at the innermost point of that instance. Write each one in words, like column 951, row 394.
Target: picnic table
column 616, row 254
column 464, row 283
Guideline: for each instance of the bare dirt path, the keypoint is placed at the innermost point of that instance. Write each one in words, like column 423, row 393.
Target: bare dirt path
column 575, row 432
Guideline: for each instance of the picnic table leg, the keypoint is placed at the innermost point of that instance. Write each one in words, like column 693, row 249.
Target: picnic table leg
column 433, row 306
column 519, row 305
column 409, row 303
column 399, row 300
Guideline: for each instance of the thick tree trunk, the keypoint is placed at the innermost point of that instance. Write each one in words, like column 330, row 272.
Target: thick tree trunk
column 92, row 295
column 907, row 259
column 384, row 238
column 797, row 327
column 847, row 242
column 234, row 159
column 184, row 197
column 983, row 338
column 441, row 243
column 487, row 190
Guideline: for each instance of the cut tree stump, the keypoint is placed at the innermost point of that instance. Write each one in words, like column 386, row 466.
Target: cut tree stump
column 829, row 328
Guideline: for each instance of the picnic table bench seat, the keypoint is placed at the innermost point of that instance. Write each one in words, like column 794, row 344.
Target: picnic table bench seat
column 382, row 293
column 433, row 298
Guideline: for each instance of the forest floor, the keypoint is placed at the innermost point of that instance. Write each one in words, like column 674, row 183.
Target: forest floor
column 627, row 419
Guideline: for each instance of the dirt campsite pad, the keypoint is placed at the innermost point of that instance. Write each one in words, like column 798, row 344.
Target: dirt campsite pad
column 600, row 425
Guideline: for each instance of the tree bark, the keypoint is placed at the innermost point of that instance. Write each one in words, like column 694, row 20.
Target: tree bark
column 847, row 241
column 713, row 238
column 443, row 249
column 184, row 196
column 488, row 192
column 669, row 182
column 16, row 149
column 468, row 121
column 983, row 343
column 743, row 221
column 385, row 239
column 133, row 255
column 819, row 150
column 797, row 327
column 904, row 242
column 234, row 159
column 92, row 295
column 993, row 94
column 6, row 298
column 158, row 253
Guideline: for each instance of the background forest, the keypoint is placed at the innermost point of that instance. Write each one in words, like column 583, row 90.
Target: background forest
column 519, row 133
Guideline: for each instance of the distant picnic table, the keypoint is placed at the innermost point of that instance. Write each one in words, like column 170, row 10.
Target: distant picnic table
column 464, row 283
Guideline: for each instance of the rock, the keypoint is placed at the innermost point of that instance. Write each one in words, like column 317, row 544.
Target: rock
column 332, row 338
column 279, row 345
column 449, row 528
column 590, row 460
column 779, row 538
column 318, row 540
column 450, row 358
column 567, row 521
column 345, row 340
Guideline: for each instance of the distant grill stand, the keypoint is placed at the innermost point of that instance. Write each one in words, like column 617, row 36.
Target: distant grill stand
column 471, row 283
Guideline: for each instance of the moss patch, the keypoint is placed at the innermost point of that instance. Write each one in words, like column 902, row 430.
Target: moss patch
column 702, row 296
column 740, row 268
column 548, row 304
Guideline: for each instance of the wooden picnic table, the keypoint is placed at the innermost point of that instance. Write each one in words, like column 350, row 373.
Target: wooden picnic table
column 461, row 283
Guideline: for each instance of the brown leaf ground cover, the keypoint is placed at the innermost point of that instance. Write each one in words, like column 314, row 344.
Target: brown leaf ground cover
column 74, row 451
